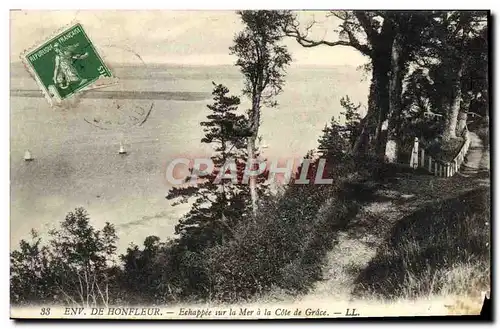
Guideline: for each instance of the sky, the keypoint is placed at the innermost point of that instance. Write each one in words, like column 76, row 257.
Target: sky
column 168, row 37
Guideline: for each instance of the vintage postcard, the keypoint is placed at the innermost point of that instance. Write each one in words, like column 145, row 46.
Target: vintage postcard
column 255, row 164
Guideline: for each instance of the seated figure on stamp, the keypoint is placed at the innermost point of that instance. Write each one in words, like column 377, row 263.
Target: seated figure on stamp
column 64, row 71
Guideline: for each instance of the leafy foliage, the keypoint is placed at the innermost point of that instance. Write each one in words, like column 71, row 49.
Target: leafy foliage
column 338, row 139
column 261, row 58
column 76, row 265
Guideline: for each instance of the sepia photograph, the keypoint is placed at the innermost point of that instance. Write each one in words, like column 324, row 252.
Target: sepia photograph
column 249, row 164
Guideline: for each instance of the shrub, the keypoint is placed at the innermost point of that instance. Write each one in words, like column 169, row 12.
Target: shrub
column 284, row 248
column 442, row 241
column 76, row 266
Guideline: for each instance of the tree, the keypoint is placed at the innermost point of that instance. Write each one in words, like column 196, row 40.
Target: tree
column 81, row 256
column 76, row 266
column 372, row 35
column 149, row 275
column 422, row 109
column 337, row 139
column 219, row 207
column 262, row 61
column 30, row 275
column 447, row 53
column 409, row 29
column 475, row 79
column 392, row 40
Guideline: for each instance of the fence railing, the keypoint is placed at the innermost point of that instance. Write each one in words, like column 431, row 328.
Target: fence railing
column 438, row 167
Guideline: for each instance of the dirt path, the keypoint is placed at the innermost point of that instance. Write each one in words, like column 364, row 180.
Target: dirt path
column 401, row 195
column 477, row 159
column 358, row 244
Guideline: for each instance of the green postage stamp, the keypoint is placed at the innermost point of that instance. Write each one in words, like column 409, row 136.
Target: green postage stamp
column 66, row 64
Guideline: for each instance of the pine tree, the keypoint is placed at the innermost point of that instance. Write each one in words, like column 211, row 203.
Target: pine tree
column 351, row 129
column 337, row 138
column 217, row 207
column 331, row 143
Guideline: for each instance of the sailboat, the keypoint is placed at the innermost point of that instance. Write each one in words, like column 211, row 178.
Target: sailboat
column 261, row 144
column 28, row 156
column 122, row 149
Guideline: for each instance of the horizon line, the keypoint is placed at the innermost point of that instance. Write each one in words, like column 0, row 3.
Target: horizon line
column 208, row 65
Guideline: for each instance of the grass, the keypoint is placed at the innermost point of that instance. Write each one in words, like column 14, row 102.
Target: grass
column 440, row 249
column 460, row 279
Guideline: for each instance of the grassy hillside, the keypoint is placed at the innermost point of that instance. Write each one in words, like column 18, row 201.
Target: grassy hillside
column 441, row 248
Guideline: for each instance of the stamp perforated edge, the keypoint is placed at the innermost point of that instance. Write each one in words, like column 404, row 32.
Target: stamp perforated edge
column 99, row 83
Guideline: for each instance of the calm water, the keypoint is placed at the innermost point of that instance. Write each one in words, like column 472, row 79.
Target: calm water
column 76, row 163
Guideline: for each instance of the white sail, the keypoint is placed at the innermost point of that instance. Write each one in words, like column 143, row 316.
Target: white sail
column 122, row 149
column 27, row 156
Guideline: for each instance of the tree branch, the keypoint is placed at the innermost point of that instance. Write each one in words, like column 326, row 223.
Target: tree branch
column 302, row 38
column 366, row 24
column 308, row 43
column 355, row 42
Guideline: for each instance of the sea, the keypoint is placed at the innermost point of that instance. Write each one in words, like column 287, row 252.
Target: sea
column 75, row 146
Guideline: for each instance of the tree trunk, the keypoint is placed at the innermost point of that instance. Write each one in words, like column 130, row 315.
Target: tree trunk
column 454, row 108
column 395, row 106
column 370, row 137
column 252, row 179
column 254, row 116
column 381, row 97
column 461, row 122
column 462, row 116
column 363, row 139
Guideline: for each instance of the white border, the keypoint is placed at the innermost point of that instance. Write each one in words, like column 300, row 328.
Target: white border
column 188, row 4
column 252, row 4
